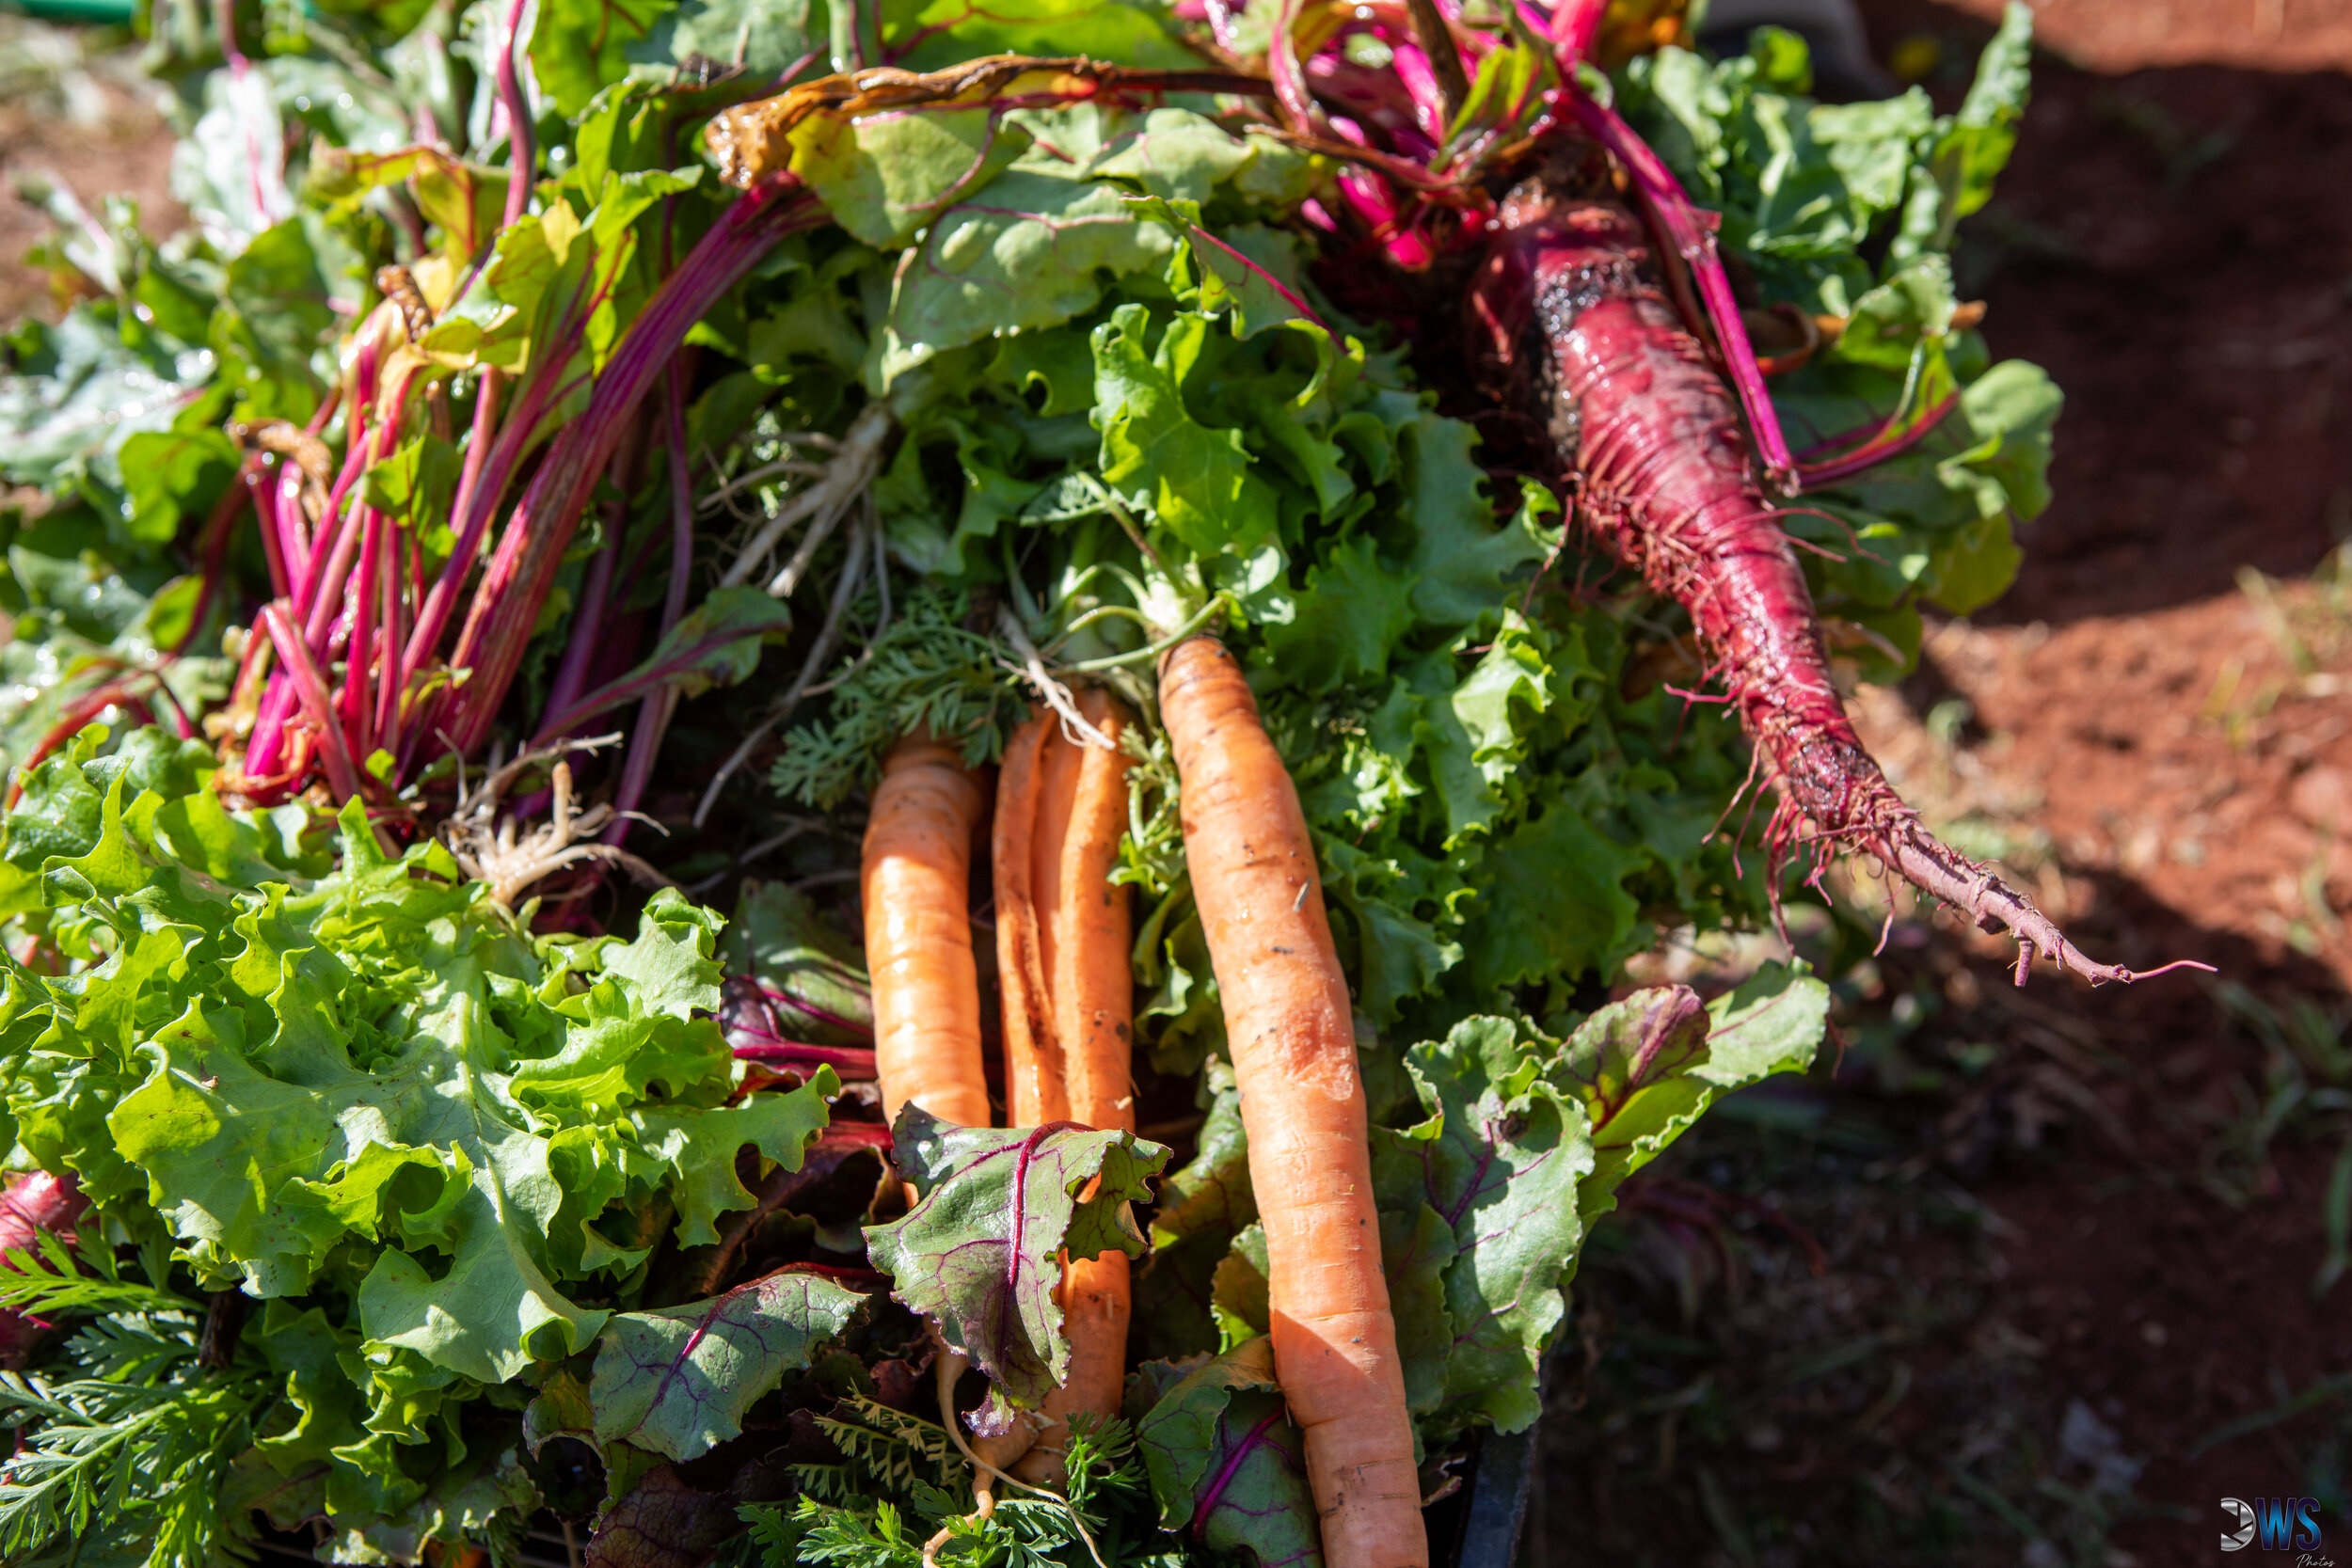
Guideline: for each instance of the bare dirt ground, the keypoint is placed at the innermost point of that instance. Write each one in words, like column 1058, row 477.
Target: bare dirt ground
column 76, row 113
column 2074, row 1242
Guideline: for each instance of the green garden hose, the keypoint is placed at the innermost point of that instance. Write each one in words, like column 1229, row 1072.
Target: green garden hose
column 117, row 13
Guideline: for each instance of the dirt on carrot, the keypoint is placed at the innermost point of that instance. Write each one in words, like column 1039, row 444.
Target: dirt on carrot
column 1063, row 936
column 1289, row 1025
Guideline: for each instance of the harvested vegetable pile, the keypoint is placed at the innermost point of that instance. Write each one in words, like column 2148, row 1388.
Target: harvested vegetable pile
column 1187, row 793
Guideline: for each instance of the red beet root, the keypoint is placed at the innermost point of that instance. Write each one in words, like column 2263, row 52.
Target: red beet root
column 30, row 1205
column 1567, row 301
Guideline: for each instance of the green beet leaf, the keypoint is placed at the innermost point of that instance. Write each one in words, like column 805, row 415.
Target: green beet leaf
column 577, row 47
column 885, row 177
column 978, row 1254
column 1647, row 1068
column 1033, row 252
column 1212, row 1192
column 678, row 1381
column 1237, row 1289
column 1481, row 1195
column 1485, row 1201
column 924, row 35
column 804, row 975
column 1227, row 1466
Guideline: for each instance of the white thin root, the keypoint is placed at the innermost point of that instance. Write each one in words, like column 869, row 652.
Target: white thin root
column 948, row 1367
column 493, row 849
column 845, row 477
column 1055, row 694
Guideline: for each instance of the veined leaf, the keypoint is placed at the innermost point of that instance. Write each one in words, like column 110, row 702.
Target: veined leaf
column 1226, row 1465
column 979, row 1254
column 678, row 1381
column 1483, row 1195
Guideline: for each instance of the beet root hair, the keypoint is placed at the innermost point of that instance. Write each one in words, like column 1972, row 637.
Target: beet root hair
column 1568, row 304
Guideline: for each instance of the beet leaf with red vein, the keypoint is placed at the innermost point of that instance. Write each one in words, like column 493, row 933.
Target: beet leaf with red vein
column 979, row 1254
column 678, row 1381
column 1226, row 1463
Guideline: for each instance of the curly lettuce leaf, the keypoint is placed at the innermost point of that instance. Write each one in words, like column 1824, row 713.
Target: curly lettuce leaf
column 361, row 1092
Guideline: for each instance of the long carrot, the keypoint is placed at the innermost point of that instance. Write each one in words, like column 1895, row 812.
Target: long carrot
column 916, row 884
column 1287, row 1023
column 1062, row 940
column 1033, row 1069
column 916, row 880
column 1084, row 918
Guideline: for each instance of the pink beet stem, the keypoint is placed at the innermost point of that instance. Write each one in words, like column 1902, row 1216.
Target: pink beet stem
column 1886, row 443
column 357, row 714
column 1663, row 198
column 654, row 713
column 850, row 1063
column 309, row 688
column 1575, row 25
column 517, row 580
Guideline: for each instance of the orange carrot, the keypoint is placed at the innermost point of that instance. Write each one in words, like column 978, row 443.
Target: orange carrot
column 1288, row 1025
column 917, row 883
column 1062, row 940
column 1085, row 917
column 1033, row 1069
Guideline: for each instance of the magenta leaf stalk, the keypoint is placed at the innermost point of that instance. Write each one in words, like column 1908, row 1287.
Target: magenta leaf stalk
column 358, row 715
column 310, row 691
column 587, row 628
column 388, row 661
column 850, row 1063
column 1575, row 27
column 519, row 575
column 1887, row 441
column 655, row 712
column 523, row 154
column 485, row 416
column 1664, row 197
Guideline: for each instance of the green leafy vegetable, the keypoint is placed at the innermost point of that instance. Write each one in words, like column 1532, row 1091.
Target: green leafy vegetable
column 369, row 1088
column 1486, row 1201
column 978, row 1254
column 1226, row 1463
column 679, row 1380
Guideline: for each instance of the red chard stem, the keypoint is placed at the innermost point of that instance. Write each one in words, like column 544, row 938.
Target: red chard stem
column 517, row 579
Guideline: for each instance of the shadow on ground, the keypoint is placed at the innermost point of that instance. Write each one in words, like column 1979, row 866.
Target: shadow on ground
column 2067, row 1247
column 2170, row 245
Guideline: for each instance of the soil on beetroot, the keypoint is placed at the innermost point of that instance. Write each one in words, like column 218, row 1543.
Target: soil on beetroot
column 2070, row 1240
